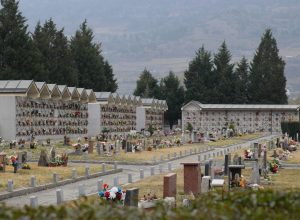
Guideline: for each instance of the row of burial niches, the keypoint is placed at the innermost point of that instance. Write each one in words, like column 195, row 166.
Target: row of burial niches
column 50, row 117
column 118, row 118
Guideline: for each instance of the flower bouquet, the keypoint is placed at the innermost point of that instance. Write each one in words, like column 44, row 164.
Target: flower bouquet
column 26, row 166
column 274, row 166
column 115, row 194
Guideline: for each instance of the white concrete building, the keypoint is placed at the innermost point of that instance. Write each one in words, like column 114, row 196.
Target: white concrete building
column 42, row 110
column 151, row 112
column 120, row 114
column 215, row 117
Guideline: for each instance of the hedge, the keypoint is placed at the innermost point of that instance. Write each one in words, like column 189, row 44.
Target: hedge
column 235, row 205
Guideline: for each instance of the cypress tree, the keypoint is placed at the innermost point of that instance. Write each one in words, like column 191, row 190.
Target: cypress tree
column 88, row 59
column 267, row 79
column 173, row 93
column 56, row 54
column 146, row 85
column 223, row 70
column 199, row 80
column 111, row 84
column 19, row 59
column 242, row 82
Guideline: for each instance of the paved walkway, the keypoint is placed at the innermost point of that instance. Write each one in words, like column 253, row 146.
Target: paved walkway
column 70, row 191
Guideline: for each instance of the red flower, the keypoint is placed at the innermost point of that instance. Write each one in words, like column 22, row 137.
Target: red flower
column 105, row 186
column 119, row 196
column 107, row 194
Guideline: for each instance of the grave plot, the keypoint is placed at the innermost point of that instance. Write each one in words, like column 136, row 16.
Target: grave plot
column 43, row 175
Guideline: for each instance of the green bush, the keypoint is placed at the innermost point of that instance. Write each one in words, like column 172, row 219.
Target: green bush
column 235, row 205
column 292, row 128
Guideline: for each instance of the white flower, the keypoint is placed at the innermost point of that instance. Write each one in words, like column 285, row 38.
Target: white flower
column 112, row 195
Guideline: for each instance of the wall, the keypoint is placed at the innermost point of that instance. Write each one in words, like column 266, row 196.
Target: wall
column 94, row 122
column 8, row 117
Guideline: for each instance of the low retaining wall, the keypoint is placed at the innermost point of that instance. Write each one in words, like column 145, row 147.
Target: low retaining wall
column 21, row 192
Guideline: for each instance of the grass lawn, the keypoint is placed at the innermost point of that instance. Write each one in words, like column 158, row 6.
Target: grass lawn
column 43, row 174
column 132, row 157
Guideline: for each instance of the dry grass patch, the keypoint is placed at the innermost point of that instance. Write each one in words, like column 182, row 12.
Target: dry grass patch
column 43, row 174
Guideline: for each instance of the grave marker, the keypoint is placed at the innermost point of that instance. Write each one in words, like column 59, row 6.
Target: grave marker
column 59, row 196
column 170, row 185
column 132, row 197
column 192, row 178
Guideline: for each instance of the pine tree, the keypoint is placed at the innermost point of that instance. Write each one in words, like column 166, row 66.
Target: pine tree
column 223, row 70
column 173, row 93
column 19, row 59
column 242, row 82
column 267, row 79
column 146, row 85
column 111, row 84
column 88, row 59
column 56, row 54
column 199, row 79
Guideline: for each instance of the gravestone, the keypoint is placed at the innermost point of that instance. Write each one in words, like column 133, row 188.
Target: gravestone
column 235, row 160
column 52, row 154
column 43, row 160
column 260, row 150
column 207, row 168
column 98, row 148
column 234, row 170
column 192, row 178
column 255, row 147
column 255, row 177
column 170, row 185
column 205, row 184
column 132, row 197
column 91, row 146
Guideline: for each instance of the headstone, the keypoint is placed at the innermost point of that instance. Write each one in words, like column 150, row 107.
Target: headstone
column 115, row 165
column 175, row 154
column 129, row 178
column 205, row 184
column 152, row 171
column 265, row 160
column 240, row 162
column 59, row 196
column 207, row 168
column 74, row 173
column 170, row 202
column 132, row 197
column 141, row 174
column 103, row 167
column 192, row 178
column 55, row 178
column 160, row 168
column 255, row 177
column 33, row 202
column 260, row 149
column 234, row 170
column 81, row 190
column 255, row 150
column 10, row 185
column 185, row 203
column 170, row 185
column 116, row 181
column 99, row 184
column 169, row 166
column 33, row 181
column 52, row 154
column 235, row 160
column 98, row 147
column 87, row 171
column 43, row 160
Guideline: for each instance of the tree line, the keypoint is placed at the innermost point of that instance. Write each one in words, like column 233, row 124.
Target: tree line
column 49, row 55
column 215, row 79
